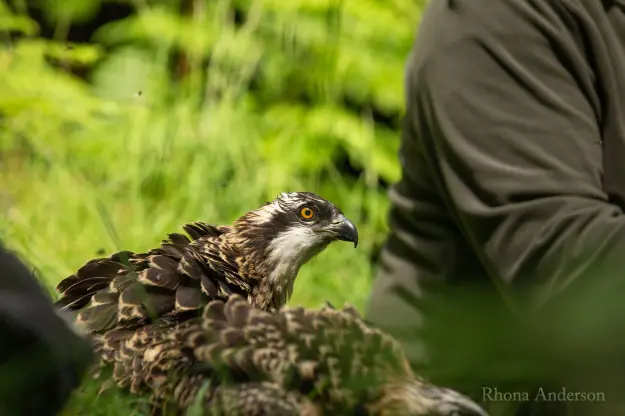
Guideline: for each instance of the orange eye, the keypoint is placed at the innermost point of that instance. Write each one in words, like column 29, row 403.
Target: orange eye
column 307, row 213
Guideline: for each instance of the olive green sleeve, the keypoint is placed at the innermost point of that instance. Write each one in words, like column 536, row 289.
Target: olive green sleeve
column 508, row 119
column 504, row 124
column 502, row 181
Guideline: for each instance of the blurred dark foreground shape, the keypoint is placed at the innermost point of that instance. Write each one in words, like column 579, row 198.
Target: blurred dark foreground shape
column 41, row 358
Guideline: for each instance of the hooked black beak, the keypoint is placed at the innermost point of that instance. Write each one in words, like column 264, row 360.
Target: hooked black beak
column 347, row 231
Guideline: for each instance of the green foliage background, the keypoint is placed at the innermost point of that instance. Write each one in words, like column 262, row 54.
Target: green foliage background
column 270, row 102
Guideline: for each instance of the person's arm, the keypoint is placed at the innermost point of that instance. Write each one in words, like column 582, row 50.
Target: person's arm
column 504, row 122
column 41, row 358
column 511, row 117
column 504, row 115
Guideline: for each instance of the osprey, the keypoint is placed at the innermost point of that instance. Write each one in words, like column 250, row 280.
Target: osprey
column 257, row 257
column 241, row 361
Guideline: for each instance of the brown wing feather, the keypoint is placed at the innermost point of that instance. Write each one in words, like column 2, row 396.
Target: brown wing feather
column 256, row 399
column 161, row 360
column 236, row 359
column 328, row 353
column 77, row 289
column 183, row 274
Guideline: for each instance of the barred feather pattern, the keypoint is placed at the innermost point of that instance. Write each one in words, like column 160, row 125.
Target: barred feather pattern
column 127, row 303
column 258, row 258
column 296, row 361
column 147, row 294
column 256, row 399
column 179, row 276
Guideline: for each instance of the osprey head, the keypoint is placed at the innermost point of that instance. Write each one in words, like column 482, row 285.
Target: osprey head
column 299, row 220
column 306, row 219
column 285, row 233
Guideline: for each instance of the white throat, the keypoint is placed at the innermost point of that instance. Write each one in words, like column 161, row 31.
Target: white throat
column 289, row 251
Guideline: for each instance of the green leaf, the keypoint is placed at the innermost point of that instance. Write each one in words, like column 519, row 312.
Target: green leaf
column 69, row 10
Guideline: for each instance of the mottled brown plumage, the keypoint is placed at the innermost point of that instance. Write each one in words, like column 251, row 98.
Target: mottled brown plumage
column 160, row 321
column 257, row 257
column 257, row 399
column 295, row 361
